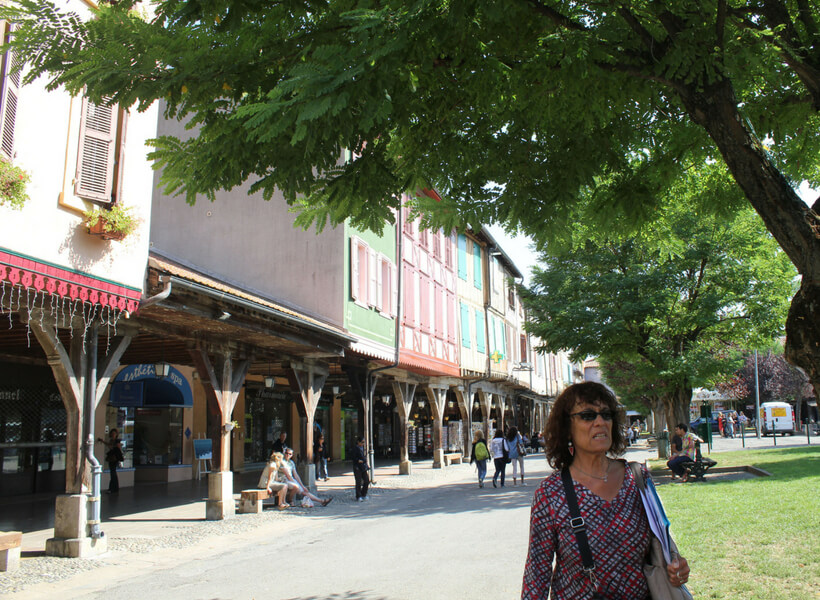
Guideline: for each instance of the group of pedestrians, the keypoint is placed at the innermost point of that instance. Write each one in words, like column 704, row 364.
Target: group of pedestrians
column 503, row 449
column 281, row 479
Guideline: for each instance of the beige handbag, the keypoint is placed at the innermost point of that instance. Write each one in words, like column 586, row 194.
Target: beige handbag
column 654, row 569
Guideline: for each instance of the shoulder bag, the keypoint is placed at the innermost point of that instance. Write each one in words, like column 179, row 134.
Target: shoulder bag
column 579, row 528
column 505, row 451
column 654, row 569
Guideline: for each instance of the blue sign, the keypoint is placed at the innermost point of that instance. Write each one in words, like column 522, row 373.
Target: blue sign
column 171, row 391
column 203, row 449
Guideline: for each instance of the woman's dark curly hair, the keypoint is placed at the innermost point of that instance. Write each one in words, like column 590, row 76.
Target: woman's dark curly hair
column 556, row 434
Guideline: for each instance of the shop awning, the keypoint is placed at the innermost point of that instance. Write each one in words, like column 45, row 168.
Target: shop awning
column 139, row 385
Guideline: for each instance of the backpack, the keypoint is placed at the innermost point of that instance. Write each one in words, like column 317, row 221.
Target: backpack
column 481, row 452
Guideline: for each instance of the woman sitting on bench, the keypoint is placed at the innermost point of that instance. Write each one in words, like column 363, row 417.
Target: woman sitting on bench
column 268, row 481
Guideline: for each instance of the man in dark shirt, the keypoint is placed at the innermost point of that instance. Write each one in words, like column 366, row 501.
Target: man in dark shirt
column 360, row 470
column 279, row 445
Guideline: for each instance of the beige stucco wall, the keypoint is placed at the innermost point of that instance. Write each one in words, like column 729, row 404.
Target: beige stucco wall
column 247, row 241
column 49, row 227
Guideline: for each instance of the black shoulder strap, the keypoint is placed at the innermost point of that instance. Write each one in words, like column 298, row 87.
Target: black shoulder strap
column 579, row 527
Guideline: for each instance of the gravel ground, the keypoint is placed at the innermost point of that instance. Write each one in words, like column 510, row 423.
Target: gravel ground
column 40, row 569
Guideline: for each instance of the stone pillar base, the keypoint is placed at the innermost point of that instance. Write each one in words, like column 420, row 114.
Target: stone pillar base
column 76, row 547
column 405, row 467
column 307, row 473
column 10, row 559
column 71, row 532
column 438, row 459
column 220, row 504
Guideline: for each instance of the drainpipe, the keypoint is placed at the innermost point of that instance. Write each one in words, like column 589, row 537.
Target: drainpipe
column 90, row 401
column 369, row 383
column 166, row 291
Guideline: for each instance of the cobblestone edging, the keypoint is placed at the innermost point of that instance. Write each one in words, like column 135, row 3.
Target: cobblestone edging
column 49, row 569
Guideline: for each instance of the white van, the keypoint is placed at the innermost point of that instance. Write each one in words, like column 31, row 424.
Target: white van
column 777, row 417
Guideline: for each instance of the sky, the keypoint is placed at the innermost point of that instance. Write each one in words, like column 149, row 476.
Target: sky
column 518, row 248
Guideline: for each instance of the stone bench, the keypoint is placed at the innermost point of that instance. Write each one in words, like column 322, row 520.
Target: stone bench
column 250, row 501
column 452, row 458
column 10, row 543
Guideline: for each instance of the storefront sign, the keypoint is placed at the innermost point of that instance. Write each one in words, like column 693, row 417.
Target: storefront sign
column 173, row 390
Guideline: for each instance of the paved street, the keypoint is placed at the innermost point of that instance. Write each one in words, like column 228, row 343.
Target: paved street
column 431, row 535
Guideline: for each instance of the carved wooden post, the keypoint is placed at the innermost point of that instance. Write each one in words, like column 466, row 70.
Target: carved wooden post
column 222, row 383
column 306, row 382
column 437, row 398
column 484, row 402
column 404, row 393
column 465, row 409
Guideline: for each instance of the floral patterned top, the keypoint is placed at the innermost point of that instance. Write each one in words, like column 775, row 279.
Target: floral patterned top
column 618, row 533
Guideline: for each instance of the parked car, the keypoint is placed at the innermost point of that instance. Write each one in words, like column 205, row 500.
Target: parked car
column 694, row 425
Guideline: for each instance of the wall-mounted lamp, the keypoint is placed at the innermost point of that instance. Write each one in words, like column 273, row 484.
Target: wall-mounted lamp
column 162, row 369
column 451, row 403
column 270, row 381
column 421, row 403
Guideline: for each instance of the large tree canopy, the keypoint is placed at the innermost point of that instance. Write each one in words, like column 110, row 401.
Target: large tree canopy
column 669, row 305
column 511, row 110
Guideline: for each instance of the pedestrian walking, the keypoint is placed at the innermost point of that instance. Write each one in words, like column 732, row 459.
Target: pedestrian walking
column 320, row 458
column 500, row 451
column 360, row 469
column 480, row 455
column 113, row 457
column 517, row 453
column 584, row 435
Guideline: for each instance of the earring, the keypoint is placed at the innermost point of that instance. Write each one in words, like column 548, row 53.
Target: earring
column 571, row 448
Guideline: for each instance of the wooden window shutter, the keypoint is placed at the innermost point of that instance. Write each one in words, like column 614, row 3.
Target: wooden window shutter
column 394, row 290
column 465, row 325
column 10, row 94
column 373, row 275
column 462, row 257
column 479, row 331
column 355, row 293
column 95, row 160
column 477, row 278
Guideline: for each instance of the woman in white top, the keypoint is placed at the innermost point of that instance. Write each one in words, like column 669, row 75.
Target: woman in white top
column 499, row 450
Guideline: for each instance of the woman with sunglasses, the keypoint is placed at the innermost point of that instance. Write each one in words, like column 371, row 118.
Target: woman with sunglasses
column 584, row 435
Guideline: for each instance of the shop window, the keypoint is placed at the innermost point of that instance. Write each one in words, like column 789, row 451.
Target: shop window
column 158, row 436
column 121, row 419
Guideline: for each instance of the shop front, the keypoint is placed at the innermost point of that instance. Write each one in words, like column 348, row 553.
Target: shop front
column 386, row 428
column 153, row 415
column 32, row 431
column 267, row 413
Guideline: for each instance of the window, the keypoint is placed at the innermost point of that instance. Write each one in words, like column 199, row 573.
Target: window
column 462, row 257
column 477, row 266
column 448, row 251
column 511, row 295
column 523, row 347
column 373, row 279
column 465, row 325
column 409, row 295
column 99, row 158
column 479, row 330
column 9, row 92
column 437, row 244
column 424, row 238
column 424, row 303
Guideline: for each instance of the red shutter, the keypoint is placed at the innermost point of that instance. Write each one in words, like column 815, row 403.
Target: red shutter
column 95, row 160
column 373, row 276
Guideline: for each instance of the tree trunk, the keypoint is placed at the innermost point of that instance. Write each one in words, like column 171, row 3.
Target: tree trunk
column 676, row 406
column 794, row 225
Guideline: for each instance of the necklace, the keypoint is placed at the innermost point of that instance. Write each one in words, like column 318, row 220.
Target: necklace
column 605, row 476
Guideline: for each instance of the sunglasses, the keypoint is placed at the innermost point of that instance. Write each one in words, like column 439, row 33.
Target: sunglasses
column 591, row 415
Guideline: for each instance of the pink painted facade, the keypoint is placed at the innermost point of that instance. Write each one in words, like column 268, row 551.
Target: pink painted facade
column 429, row 329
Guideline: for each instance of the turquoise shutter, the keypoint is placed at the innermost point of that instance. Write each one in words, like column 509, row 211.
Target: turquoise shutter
column 465, row 325
column 462, row 257
column 477, row 279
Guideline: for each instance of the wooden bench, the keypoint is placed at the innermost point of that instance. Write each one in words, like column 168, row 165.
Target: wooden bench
column 10, row 543
column 697, row 468
column 251, row 501
column 452, row 458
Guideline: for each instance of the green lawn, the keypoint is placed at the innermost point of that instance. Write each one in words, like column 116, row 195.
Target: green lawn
column 751, row 539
